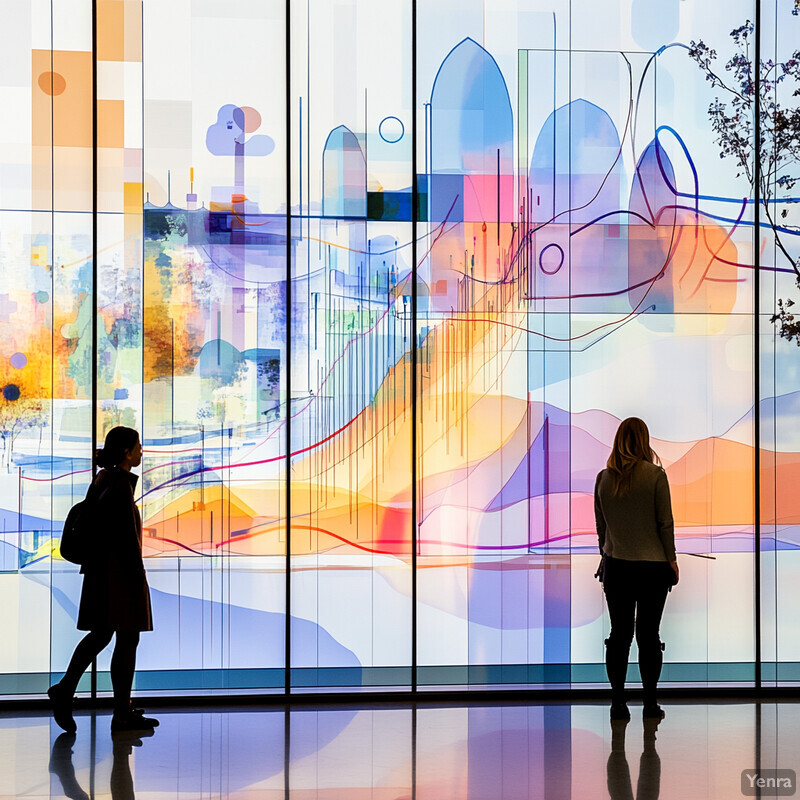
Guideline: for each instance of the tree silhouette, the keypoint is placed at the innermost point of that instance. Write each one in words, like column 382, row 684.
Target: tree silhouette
column 778, row 136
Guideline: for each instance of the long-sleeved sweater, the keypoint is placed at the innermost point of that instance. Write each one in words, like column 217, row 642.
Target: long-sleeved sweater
column 638, row 525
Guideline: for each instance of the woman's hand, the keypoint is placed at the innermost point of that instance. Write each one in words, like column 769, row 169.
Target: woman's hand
column 674, row 565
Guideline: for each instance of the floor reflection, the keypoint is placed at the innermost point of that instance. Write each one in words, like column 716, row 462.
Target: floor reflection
column 618, row 772
column 555, row 751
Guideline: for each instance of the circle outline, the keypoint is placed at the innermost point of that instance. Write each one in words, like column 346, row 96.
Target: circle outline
column 402, row 129
column 560, row 263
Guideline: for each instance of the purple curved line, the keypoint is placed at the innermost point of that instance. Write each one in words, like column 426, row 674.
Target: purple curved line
column 57, row 477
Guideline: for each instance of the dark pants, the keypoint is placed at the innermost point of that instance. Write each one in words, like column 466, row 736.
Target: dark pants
column 123, row 663
column 636, row 592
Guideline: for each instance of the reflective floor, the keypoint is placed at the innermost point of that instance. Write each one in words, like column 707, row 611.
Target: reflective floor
column 552, row 751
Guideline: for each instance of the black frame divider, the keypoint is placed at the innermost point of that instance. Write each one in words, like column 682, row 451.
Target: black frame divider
column 414, row 344
column 287, row 688
column 757, row 343
column 93, row 359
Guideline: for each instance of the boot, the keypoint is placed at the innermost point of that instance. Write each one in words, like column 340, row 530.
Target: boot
column 650, row 661
column 616, row 669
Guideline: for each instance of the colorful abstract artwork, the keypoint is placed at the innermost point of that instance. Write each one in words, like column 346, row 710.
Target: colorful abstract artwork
column 318, row 344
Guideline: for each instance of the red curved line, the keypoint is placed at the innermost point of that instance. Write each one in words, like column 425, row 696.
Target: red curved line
column 460, row 545
column 57, row 477
column 179, row 544
column 308, row 528
column 714, row 254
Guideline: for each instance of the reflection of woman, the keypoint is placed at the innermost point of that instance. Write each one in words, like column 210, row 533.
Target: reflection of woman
column 115, row 600
column 618, row 773
column 636, row 536
column 121, row 778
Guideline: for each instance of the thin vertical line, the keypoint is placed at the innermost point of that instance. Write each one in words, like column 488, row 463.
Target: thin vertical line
column 569, row 329
column 756, row 338
column 94, row 272
column 414, row 399
column 288, row 585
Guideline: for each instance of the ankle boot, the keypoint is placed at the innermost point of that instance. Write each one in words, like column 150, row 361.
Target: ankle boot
column 650, row 662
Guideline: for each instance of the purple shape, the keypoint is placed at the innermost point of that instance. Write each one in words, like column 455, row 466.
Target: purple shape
column 576, row 165
column 545, row 468
column 653, row 200
column 19, row 360
column 226, row 137
column 7, row 307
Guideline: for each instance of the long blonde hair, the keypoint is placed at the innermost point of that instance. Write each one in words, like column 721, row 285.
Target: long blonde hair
column 631, row 445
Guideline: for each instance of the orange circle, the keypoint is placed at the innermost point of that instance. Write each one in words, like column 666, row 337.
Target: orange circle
column 52, row 83
column 247, row 118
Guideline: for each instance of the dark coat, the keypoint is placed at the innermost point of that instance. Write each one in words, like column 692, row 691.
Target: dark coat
column 115, row 595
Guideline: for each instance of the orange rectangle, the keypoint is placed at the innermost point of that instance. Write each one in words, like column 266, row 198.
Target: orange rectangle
column 61, row 101
column 110, row 123
column 110, row 30
column 133, row 198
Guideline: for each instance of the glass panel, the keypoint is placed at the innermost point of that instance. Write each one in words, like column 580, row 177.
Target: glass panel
column 578, row 276
column 351, row 339
column 214, row 358
column 46, row 305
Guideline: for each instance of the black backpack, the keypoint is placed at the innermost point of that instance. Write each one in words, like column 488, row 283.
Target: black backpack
column 77, row 538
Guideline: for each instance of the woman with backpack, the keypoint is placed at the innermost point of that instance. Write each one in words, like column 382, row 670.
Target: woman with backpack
column 115, row 598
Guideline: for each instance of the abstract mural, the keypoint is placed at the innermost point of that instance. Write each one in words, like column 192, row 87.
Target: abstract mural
column 295, row 320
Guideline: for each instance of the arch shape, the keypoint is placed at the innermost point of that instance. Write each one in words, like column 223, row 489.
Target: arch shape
column 344, row 175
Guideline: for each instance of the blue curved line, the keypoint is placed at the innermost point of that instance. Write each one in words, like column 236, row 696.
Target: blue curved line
column 698, row 196
column 689, row 158
column 672, row 44
column 732, row 221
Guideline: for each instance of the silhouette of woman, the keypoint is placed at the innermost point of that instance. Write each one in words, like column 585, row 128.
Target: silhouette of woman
column 635, row 531
column 115, row 599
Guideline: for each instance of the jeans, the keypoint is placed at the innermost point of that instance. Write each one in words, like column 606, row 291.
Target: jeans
column 636, row 592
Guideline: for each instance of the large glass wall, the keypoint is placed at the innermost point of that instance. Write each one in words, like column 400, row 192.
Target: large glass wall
column 383, row 397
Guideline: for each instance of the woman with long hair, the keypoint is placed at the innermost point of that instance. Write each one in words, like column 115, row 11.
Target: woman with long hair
column 115, row 599
column 636, row 535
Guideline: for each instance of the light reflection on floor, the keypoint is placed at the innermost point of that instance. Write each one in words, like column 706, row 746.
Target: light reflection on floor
column 554, row 751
